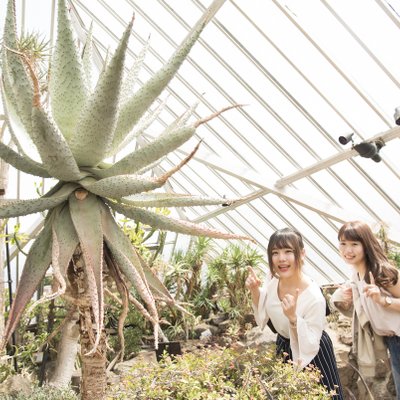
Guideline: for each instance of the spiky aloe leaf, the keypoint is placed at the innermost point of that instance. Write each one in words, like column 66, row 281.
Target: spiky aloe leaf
column 94, row 133
column 53, row 148
column 22, row 163
column 157, row 286
column 17, row 208
column 130, row 79
column 36, row 265
column 168, row 141
column 125, row 185
column 172, row 200
column 165, row 223
column 18, row 86
column 116, row 238
column 87, row 59
column 140, row 285
column 12, row 119
column 85, row 215
column 67, row 237
column 161, row 146
column 67, row 86
column 142, row 125
column 135, row 107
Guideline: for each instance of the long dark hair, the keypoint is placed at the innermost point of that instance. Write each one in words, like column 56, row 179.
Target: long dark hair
column 286, row 238
column 385, row 274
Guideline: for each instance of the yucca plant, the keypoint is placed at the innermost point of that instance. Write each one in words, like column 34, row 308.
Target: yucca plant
column 73, row 134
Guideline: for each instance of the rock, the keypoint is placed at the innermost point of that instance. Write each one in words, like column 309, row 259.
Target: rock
column 256, row 336
column 205, row 335
column 16, row 385
column 146, row 356
column 218, row 318
column 224, row 325
column 198, row 329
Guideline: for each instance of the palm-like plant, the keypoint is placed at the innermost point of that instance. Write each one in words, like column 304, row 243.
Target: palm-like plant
column 81, row 128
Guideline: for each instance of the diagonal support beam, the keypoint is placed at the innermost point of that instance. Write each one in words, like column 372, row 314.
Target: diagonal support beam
column 320, row 206
column 335, row 159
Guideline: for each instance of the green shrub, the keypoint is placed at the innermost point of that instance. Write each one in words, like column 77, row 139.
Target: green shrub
column 220, row 373
column 46, row 393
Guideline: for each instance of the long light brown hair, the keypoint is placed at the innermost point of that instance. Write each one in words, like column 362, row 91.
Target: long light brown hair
column 384, row 273
column 286, row 238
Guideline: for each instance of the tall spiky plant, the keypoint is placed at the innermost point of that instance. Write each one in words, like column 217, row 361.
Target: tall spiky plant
column 83, row 126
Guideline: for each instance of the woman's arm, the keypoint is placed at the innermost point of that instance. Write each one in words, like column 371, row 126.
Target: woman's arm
column 253, row 283
column 305, row 334
column 342, row 300
column 391, row 302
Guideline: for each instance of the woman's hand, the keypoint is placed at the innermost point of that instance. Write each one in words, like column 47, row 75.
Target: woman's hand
column 347, row 293
column 253, row 283
column 373, row 291
column 289, row 305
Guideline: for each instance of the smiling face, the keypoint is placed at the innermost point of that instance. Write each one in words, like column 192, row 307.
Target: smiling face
column 285, row 253
column 284, row 262
column 352, row 252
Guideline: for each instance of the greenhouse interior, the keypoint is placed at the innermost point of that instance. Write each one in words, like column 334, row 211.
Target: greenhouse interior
column 213, row 125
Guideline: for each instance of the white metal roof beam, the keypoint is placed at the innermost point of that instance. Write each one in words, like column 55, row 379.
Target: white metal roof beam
column 320, row 165
column 347, row 78
column 361, row 43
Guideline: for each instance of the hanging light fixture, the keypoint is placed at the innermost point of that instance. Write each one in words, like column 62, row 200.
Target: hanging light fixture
column 367, row 149
column 397, row 115
column 370, row 149
column 346, row 139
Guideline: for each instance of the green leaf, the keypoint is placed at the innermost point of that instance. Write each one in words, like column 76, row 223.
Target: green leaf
column 85, row 215
column 136, row 106
column 36, row 265
column 67, row 86
column 17, row 208
column 53, row 148
column 94, row 133
column 172, row 200
column 127, row 260
column 87, row 59
column 141, row 126
column 117, row 240
column 22, row 163
column 161, row 146
column 130, row 79
column 67, row 238
column 17, row 84
column 122, row 185
column 174, row 225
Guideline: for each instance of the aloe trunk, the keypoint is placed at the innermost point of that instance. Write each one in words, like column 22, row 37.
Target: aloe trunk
column 66, row 353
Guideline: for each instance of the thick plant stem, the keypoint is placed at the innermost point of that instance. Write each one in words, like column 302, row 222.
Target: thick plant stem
column 94, row 379
column 67, row 351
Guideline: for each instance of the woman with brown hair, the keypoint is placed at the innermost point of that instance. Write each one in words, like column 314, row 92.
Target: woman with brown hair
column 372, row 296
column 296, row 307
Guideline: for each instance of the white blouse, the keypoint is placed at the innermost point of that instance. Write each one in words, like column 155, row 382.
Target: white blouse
column 384, row 321
column 311, row 320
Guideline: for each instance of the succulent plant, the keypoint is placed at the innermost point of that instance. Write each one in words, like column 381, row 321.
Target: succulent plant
column 74, row 132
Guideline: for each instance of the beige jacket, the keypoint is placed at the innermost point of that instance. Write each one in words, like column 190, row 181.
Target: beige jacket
column 368, row 347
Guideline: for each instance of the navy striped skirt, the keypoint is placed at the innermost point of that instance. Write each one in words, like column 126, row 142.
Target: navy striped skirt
column 325, row 361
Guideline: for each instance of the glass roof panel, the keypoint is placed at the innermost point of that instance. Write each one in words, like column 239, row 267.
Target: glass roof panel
column 306, row 72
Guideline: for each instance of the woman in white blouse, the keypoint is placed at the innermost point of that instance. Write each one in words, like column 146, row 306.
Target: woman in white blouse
column 296, row 307
column 373, row 293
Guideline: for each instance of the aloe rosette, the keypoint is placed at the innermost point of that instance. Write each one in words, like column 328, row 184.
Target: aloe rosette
column 74, row 132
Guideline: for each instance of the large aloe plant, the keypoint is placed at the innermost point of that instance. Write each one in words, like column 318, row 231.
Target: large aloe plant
column 73, row 134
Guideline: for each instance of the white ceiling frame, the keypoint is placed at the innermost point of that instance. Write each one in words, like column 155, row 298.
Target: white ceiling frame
column 323, row 164
column 320, row 206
